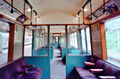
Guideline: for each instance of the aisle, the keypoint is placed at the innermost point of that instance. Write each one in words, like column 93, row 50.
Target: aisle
column 58, row 69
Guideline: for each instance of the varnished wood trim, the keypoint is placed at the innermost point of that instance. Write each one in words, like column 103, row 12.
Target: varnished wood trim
column 53, row 24
column 11, row 42
column 103, row 41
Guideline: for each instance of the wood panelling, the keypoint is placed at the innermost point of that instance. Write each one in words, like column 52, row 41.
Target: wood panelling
column 96, row 40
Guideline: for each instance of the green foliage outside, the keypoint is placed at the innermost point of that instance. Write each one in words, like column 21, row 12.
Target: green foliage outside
column 113, row 34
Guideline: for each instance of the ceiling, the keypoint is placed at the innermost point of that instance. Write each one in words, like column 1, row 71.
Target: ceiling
column 58, row 11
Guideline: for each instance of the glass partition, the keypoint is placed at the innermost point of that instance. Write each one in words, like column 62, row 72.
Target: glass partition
column 28, row 42
column 18, row 41
column 41, row 41
column 88, row 40
column 83, row 40
column 74, row 40
column 4, row 42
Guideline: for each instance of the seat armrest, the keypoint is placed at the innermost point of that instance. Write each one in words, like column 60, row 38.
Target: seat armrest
column 107, row 77
column 96, row 70
column 27, row 66
column 89, row 63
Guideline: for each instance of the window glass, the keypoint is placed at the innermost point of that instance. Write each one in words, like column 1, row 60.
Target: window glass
column 83, row 40
column 28, row 43
column 56, row 39
column 41, row 42
column 112, row 28
column 73, row 40
column 4, row 42
column 88, row 40
column 18, row 41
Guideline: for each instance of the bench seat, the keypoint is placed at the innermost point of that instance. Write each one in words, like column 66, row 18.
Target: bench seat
column 84, row 74
column 108, row 70
column 19, row 69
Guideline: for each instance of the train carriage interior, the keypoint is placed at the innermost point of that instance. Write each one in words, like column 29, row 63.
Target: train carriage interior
column 59, row 39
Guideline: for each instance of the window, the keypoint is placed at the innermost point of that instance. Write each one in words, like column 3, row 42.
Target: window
column 112, row 28
column 73, row 40
column 86, row 45
column 4, row 42
column 41, row 42
column 83, row 40
column 28, row 43
column 88, row 39
column 18, row 41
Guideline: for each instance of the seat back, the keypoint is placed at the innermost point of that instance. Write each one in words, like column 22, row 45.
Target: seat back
column 9, row 71
column 110, row 69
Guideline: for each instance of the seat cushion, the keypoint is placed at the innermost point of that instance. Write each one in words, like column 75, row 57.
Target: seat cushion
column 79, row 68
column 90, row 78
column 31, row 75
column 84, row 73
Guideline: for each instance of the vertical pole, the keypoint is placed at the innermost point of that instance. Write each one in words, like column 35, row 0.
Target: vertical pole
column 49, row 53
column 33, row 42
column 23, row 41
column 31, row 16
column 49, row 41
column 24, row 8
column 86, row 41
column 44, row 37
column 66, row 53
column 11, row 42
column 83, row 15
column 66, row 32
column 60, row 38
column 78, row 36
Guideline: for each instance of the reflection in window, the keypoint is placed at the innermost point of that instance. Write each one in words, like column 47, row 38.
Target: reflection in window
column 83, row 40
column 113, row 40
column 73, row 40
column 28, row 43
column 41, row 42
column 4, row 41
column 88, row 40
column 18, row 41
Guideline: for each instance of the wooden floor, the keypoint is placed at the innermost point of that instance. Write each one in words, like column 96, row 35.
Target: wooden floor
column 58, row 69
